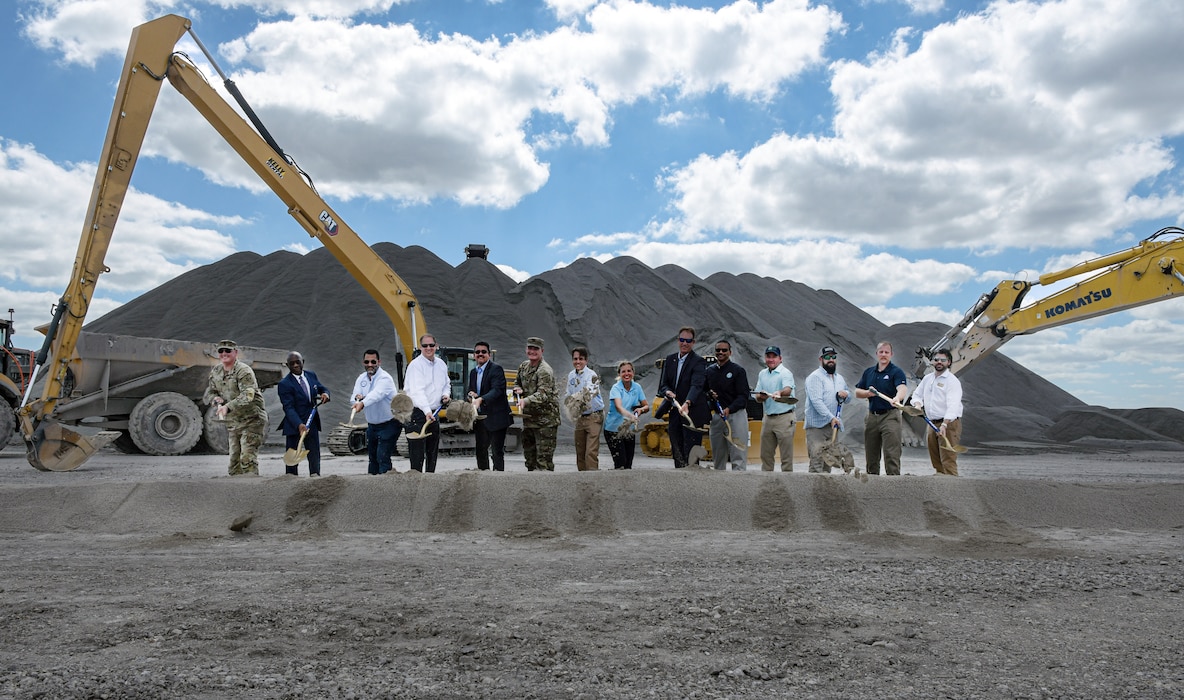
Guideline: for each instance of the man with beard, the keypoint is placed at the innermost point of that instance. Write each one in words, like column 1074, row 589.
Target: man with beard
column 826, row 390
column 940, row 394
column 373, row 392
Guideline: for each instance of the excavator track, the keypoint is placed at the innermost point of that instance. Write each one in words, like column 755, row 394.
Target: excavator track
column 347, row 440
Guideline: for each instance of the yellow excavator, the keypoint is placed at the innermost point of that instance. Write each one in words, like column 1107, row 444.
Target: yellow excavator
column 151, row 59
column 1149, row 272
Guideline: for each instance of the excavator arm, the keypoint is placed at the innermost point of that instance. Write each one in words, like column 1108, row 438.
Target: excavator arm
column 1149, row 272
column 150, row 60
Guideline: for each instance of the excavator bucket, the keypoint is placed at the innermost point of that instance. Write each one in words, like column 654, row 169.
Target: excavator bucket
column 55, row 448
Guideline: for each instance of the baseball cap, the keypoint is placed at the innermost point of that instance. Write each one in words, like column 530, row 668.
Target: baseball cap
column 227, row 345
column 773, row 350
column 536, row 342
column 827, row 350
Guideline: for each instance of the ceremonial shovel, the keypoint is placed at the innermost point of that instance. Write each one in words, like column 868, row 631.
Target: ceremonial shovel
column 423, row 432
column 791, row 400
column 727, row 426
column 837, row 451
column 945, row 441
column 907, row 408
column 690, row 423
column 292, row 457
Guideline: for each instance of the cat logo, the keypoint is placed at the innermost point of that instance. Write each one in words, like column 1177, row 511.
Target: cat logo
column 330, row 224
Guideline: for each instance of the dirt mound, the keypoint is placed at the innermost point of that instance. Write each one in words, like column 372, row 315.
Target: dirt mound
column 1096, row 423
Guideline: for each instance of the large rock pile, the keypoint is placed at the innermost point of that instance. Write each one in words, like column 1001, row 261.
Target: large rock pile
column 621, row 309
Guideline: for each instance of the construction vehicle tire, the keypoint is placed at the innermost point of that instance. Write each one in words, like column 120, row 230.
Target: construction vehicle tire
column 165, row 423
column 214, row 437
column 7, row 423
column 125, row 444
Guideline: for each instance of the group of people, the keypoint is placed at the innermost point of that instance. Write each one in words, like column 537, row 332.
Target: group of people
column 695, row 397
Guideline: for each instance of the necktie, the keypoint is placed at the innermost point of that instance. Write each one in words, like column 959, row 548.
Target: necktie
column 304, row 385
column 480, row 373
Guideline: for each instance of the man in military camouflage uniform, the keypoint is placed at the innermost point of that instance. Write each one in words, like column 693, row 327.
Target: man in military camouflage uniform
column 234, row 390
column 538, row 400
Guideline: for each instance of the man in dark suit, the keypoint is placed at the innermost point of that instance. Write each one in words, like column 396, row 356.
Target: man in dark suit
column 487, row 389
column 684, row 378
column 299, row 392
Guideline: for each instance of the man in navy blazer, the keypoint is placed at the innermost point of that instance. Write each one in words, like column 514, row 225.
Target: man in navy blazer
column 684, row 379
column 487, row 389
column 299, row 392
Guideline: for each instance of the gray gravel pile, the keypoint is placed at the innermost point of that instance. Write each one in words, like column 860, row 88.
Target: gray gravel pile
column 619, row 309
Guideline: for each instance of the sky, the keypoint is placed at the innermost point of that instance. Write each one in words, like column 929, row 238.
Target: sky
column 908, row 154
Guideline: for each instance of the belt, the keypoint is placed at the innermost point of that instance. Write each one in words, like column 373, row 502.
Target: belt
column 783, row 413
column 880, row 413
column 592, row 413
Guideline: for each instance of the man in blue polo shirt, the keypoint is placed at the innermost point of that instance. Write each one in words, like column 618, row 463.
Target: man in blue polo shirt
column 882, row 430
column 777, row 429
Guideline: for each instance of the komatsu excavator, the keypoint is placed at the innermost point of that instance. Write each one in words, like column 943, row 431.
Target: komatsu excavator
column 1149, row 272
column 152, row 59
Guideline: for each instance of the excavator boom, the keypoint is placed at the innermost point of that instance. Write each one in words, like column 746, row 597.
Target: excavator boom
column 151, row 58
column 1149, row 272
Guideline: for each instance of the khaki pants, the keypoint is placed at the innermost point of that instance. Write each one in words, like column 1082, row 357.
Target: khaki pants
column 815, row 439
column 588, row 441
column 945, row 461
column 777, row 432
column 882, row 432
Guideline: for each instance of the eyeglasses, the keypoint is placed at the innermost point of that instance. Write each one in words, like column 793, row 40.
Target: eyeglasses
column 722, row 351
column 427, row 345
column 224, row 351
column 941, row 358
column 480, row 352
column 369, row 362
column 830, row 357
column 686, row 340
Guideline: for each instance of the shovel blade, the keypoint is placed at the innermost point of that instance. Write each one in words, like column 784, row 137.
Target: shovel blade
column 945, row 445
column 293, row 457
column 56, row 448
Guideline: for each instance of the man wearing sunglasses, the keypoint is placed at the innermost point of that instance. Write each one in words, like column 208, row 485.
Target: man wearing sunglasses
column 232, row 388
column 487, row 390
column 727, row 385
column 684, row 380
column 373, row 392
column 826, row 390
column 430, row 389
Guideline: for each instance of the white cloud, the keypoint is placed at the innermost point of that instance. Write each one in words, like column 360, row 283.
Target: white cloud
column 1016, row 127
column 154, row 241
column 891, row 315
column 84, row 31
column 32, row 309
column 569, row 9
column 859, row 277
column 451, row 116
column 513, row 273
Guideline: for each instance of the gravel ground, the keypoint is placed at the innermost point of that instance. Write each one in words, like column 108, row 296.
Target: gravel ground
column 331, row 593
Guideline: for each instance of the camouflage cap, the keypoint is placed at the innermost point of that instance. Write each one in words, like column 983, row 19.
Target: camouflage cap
column 227, row 345
column 534, row 341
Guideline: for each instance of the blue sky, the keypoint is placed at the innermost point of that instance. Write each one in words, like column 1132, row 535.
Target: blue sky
column 908, row 155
